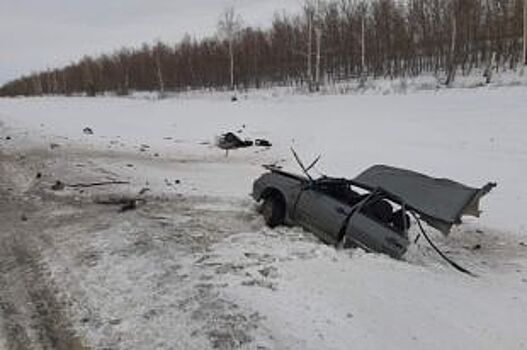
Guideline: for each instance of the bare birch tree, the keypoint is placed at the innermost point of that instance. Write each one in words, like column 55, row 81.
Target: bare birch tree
column 229, row 27
column 312, row 10
column 318, row 38
column 159, row 71
column 363, row 10
column 309, row 13
column 524, row 32
column 451, row 69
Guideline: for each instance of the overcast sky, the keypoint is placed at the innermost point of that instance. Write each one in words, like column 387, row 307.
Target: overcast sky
column 40, row 34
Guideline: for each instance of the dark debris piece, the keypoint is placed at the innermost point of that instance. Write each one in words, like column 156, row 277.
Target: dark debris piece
column 262, row 143
column 232, row 141
column 58, row 186
column 130, row 204
column 144, row 190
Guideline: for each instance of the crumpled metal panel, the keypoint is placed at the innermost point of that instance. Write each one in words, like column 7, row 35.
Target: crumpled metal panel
column 440, row 202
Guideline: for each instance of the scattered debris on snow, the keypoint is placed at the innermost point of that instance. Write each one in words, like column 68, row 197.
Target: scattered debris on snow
column 262, row 143
column 230, row 141
column 58, row 186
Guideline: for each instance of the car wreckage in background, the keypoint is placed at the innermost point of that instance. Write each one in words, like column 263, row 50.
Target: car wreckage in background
column 371, row 211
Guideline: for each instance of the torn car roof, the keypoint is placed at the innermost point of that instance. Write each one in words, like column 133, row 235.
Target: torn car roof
column 440, row 202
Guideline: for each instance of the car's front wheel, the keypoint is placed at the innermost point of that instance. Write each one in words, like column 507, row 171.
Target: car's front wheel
column 273, row 211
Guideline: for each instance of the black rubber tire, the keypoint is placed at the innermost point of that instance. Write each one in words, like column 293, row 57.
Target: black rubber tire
column 273, row 211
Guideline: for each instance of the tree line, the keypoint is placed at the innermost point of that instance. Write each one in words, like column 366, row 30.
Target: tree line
column 328, row 42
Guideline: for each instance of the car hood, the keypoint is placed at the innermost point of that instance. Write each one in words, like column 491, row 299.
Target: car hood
column 439, row 202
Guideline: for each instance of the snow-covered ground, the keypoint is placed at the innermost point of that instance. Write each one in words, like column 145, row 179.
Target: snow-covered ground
column 472, row 135
column 197, row 258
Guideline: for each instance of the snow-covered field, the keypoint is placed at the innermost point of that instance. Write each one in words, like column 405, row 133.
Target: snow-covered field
column 195, row 268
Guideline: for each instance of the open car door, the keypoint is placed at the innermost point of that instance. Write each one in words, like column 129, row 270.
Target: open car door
column 372, row 235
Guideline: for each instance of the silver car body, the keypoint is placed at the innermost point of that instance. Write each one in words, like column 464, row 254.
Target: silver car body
column 335, row 221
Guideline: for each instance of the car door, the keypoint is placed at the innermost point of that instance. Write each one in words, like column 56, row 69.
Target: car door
column 371, row 235
column 321, row 214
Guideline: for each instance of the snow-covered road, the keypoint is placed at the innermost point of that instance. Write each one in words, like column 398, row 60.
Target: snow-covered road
column 195, row 267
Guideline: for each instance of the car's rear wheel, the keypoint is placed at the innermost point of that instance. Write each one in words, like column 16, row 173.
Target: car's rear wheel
column 273, row 211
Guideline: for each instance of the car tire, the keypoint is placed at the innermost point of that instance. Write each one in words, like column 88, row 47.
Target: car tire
column 273, row 211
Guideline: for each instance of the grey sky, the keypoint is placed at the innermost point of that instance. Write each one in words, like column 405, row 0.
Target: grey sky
column 40, row 34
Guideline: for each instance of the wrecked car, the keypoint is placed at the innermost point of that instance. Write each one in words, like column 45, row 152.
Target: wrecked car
column 371, row 211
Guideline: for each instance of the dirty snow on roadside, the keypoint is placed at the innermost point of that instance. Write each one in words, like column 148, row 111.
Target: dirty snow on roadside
column 194, row 267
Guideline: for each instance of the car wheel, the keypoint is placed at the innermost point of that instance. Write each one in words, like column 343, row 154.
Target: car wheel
column 273, row 211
